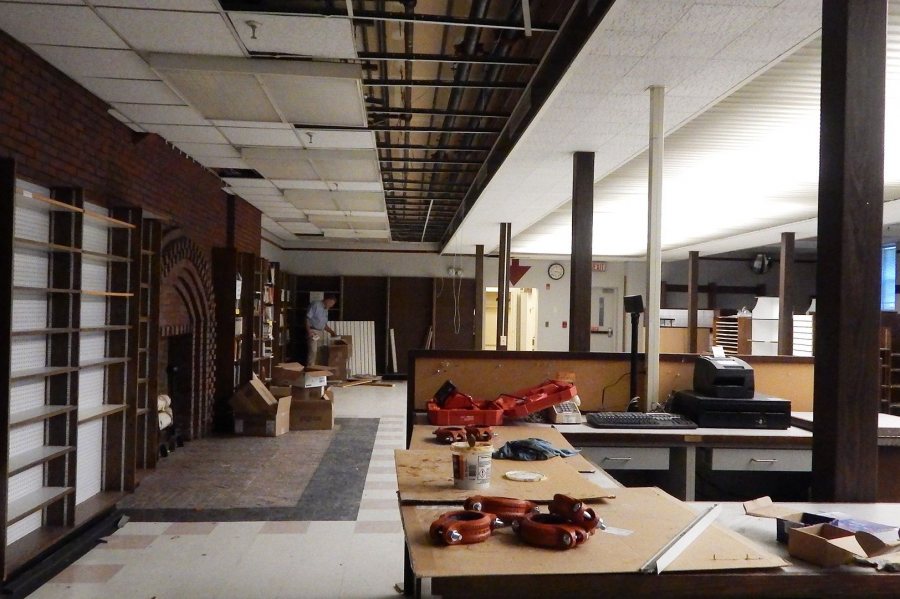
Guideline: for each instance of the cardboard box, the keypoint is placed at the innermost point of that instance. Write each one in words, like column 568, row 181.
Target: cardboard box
column 338, row 353
column 828, row 545
column 288, row 374
column 312, row 414
column 787, row 518
column 301, row 393
column 265, row 425
column 315, row 376
column 279, row 391
column 254, row 399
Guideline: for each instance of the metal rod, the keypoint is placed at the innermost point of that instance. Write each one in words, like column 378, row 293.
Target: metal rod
column 676, row 546
column 392, row 111
column 428, row 148
column 431, row 161
column 425, row 129
column 418, row 57
column 444, row 83
column 654, row 245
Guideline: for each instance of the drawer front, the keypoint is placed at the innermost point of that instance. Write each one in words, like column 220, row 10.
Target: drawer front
column 628, row 458
column 762, row 460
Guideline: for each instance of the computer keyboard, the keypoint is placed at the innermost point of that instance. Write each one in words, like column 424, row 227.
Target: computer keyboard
column 638, row 420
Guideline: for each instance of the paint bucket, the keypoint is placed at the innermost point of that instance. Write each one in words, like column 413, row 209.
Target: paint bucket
column 471, row 465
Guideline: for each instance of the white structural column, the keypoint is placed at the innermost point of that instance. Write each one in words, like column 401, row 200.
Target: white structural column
column 654, row 246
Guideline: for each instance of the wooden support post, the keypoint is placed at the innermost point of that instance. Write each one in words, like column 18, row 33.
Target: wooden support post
column 479, row 297
column 503, row 287
column 693, row 299
column 851, row 189
column 786, row 296
column 582, row 251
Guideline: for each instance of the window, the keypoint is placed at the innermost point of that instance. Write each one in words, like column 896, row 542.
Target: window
column 888, row 277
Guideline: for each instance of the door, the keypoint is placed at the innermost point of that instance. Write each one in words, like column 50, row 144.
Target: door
column 606, row 310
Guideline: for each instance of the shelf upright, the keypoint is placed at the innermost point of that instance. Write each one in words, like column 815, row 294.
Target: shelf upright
column 147, row 435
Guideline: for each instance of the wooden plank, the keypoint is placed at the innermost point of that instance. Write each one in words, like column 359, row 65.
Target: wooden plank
column 848, row 270
column 582, row 251
column 652, row 516
column 426, row 476
column 28, row 459
column 35, row 501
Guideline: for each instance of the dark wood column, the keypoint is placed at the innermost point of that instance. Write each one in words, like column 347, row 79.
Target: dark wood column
column 851, row 187
column 503, row 287
column 582, row 251
column 693, row 299
column 479, row 297
column 786, row 296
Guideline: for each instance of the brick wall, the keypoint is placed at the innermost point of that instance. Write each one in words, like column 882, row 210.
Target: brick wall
column 61, row 135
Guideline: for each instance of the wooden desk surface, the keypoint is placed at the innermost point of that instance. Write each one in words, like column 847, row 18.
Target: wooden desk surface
column 423, row 438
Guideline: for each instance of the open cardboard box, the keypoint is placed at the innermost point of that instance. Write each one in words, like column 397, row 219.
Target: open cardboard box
column 787, row 517
column 313, row 414
column 828, row 545
column 294, row 374
column 254, row 398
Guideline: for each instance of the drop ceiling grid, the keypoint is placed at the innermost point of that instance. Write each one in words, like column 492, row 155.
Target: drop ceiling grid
column 627, row 99
column 203, row 33
column 55, row 24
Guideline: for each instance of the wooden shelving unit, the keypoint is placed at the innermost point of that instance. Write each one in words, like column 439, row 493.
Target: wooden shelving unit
column 889, row 358
column 70, row 271
column 284, row 316
column 147, row 346
column 265, row 275
column 733, row 334
column 234, row 292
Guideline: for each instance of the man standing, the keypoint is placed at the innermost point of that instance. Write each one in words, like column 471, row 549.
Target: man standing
column 316, row 325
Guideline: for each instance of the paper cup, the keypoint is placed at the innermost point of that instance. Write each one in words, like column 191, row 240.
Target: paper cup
column 471, row 465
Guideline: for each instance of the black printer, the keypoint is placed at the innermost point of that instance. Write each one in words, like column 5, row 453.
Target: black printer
column 724, row 397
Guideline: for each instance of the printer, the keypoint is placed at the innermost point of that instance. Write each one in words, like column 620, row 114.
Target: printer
column 724, row 397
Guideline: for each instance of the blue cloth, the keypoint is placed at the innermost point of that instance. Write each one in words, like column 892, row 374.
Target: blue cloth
column 317, row 315
column 531, row 450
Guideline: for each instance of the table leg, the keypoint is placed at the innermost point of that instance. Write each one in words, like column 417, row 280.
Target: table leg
column 690, row 473
column 412, row 586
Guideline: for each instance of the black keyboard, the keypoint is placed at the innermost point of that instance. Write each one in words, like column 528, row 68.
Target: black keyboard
column 638, row 420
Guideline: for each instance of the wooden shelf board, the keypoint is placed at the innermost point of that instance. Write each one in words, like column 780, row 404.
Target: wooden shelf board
column 103, row 362
column 37, row 414
column 48, row 331
column 104, row 257
column 108, row 327
column 28, row 459
column 26, row 289
column 142, row 381
column 96, row 505
column 21, row 242
column 33, row 502
column 96, row 293
column 33, row 545
column 45, row 371
column 142, row 411
column 108, row 220
column 44, row 201
column 88, row 414
column 146, row 252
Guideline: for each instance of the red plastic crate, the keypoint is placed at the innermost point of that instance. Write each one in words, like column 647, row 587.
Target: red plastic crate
column 534, row 399
column 485, row 416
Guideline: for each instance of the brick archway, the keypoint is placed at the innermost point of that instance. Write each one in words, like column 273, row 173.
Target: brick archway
column 186, row 274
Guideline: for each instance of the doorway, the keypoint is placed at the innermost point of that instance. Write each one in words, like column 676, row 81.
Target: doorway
column 179, row 376
column 606, row 318
column 522, row 319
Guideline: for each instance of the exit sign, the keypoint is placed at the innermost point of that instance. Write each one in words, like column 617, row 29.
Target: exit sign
column 598, row 266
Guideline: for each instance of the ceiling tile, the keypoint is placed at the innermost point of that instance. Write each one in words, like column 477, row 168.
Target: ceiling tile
column 219, row 150
column 251, row 124
column 330, row 37
column 187, row 133
column 169, row 31
column 181, row 5
column 288, row 184
column 57, row 25
column 302, row 228
column 96, row 62
column 239, row 183
column 280, row 164
column 245, row 136
column 317, row 100
column 161, row 114
column 223, row 96
column 130, row 91
column 319, row 138
column 220, row 162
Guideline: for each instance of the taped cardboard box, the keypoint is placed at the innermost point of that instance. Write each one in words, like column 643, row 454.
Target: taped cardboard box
column 339, row 350
column 288, row 374
column 301, row 393
column 313, row 414
column 280, row 391
column 265, row 425
column 829, row 545
column 254, row 399
column 787, row 518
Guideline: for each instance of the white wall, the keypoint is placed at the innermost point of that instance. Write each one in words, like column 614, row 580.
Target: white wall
column 372, row 263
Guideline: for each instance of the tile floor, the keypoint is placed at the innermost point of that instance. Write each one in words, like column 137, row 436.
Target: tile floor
column 240, row 560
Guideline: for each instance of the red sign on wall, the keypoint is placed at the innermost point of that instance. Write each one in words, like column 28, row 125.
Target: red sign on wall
column 598, row 266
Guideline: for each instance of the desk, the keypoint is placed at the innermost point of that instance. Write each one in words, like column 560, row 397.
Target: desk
column 798, row 579
column 674, row 453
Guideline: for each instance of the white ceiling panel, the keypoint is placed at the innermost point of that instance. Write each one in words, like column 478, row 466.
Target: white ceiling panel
column 330, row 222
column 220, row 162
column 251, row 124
column 157, row 114
column 288, row 184
column 280, row 164
column 245, row 136
column 180, row 5
column 187, row 133
column 131, row 91
column 301, row 228
column 319, row 138
column 223, row 96
column 357, row 234
column 335, row 200
column 57, row 25
column 218, row 150
column 330, row 37
column 168, row 31
column 239, row 183
column 96, row 62
column 365, row 169
column 317, row 100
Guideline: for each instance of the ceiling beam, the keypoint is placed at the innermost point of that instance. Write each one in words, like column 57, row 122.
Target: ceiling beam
column 443, row 83
column 436, row 129
column 418, row 57
column 436, row 112
column 424, row 147
column 430, row 161
column 397, row 169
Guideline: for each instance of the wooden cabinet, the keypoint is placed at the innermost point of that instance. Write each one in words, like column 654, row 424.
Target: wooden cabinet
column 732, row 333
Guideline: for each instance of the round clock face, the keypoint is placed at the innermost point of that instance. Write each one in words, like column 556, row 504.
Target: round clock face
column 556, row 271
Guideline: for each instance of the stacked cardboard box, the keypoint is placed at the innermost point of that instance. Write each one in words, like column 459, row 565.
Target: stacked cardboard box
column 312, row 405
column 258, row 413
column 339, row 350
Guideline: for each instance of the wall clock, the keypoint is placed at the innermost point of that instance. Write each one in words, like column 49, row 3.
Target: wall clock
column 556, row 271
